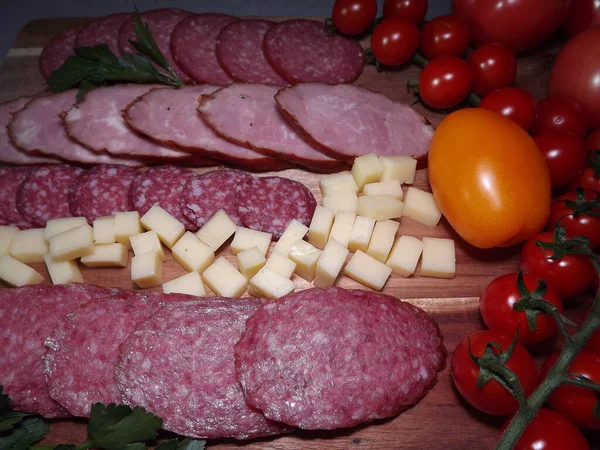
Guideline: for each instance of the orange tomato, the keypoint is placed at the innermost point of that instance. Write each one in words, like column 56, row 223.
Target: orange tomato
column 489, row 178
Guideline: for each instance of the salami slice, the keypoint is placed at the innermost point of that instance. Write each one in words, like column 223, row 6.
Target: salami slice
column 344, row 357
column 58, row 49
column 102, row 191
column 29, row 314
column 269, row 204
column 210, row 192
column 11, row 179
column 169, row 116
column 194, row 47
column 44, row 194
column 104, row 30
column 189, row 354
column 302, row 51
column 240, row 52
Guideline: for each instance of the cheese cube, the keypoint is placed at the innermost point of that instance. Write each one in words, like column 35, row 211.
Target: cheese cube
column 405, row 255
column 342, row 227
column 107, row 255
column 401, row 168
column 7, row 234
column 168, row 228
column 270, row 284
column 330, row 263
column 104, row 230
column 380, row 207
column 439, row 258
column 17, row 274
column 282, row 264
column 127, row 224
column 62, row 272
column 250, row 261
column 217, row 230
column 382, row 239
column 341, row 201
column 73, row 243
column 293, row 233
column 305, row 256
column 361, row 233
column 55, row 226
column 224, row 280
column 246, row 238
column 389, row 187
column 147, row 242
column 147, row 270
column 367, row 270
column 342, row 181
column 29, row 246
column 193, row 254
column 421, row 207
column 366, row 169
column 190, row 283
column 320, row 226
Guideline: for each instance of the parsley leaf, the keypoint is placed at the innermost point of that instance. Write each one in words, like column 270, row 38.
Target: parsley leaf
column 8, row 417
column 186, row 444
column 29, row 431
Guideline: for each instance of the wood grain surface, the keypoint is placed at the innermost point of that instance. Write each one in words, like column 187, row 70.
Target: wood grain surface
column 441, row 420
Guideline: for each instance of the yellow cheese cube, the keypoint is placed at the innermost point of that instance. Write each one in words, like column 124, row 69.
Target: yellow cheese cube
column 366, row 169
column 270, row 284
column 439, row 258
column 190, row 283
column 401, row 168
column 147, row 270
column 342, row 181
column 224, row 279
column 361, row 233
column 320, row 226
column 341, row 201
column 367, row 270
column 147, row 242
column 246, row 238
column 382, row 239
column 380, row 207
column 342, row 227
column 293, row 233
column 282, row 264
column 55, row 226
column 127, row 224
column 62, row 272
column 107, row 255
column 250, row 261
column 405, row 255
column 17, row 274
column 7, row 234
column 389, row 187
column 305, row 256
column 421, row 207
column 104, row 230
column 217, row 230
column 168, row 228
column 73, row 243
column 193, row 254
column 330, row 263
column 29, row 246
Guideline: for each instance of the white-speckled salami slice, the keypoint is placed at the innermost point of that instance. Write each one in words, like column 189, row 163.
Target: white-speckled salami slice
column 58, row 49
column 11, row 179
column 104, row 30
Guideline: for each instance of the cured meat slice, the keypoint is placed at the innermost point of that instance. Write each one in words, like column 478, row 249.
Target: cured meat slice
column 11, row 179
column 240, row 52
column 247, row 115
column 102, row 191
column 169, row 116
column 302, row 51
column 104, row 30
column 269, row 204
column 194, row 47
column 332, row 358
column 58, row 49
column 44, row 194
column 347, row 121
column 211, row 191
column 161, row 23
column 29, row 314
column 177, row 351
column 38, row 128
column 162, row 185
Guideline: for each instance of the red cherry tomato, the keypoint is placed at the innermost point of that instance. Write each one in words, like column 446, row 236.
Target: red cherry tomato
column 514, row 103
column 550, row 430
column 445, row 82
column 593, row 141
column 412, row 10
column 444, row 35
column 354, row 16
column 394, row 41
column 560, row 114
column 582, row 15
column 494, row 66
column 575, row 402
column 587, row 225
column 565, row 154
column 569, row 275
column 492, row 398
column 589, row 178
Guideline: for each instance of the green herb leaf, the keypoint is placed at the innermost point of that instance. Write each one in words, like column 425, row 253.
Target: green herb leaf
column 66, row 447
column 186, row 444
column 145, row 43
column 29, row 431
column 8, row 417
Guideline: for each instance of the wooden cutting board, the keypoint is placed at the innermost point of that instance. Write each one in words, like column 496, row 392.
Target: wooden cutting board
column 441, row 420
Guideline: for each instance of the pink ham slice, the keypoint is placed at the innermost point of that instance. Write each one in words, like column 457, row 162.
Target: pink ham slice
column 58, row 49
column 347, row 121
column 103, row 31
column 247, row 115
column 169, row 116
